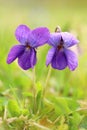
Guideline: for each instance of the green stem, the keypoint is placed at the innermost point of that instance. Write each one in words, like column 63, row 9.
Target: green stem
column 5, row 113
column 34, row 79
column 47, row 80
column 34, row 90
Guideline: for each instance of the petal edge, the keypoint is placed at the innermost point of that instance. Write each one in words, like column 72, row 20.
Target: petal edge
column 69, row 39
column 39, row 36
column 22, row 33
column 71, row 59
column 59, row 60
column 50, row 56
column 15, row 51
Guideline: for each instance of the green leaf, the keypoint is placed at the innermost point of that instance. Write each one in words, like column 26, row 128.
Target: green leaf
column 27, row 94
column 61, row 106
column 74, row 121
column 39, row 86
column 39, row 101
column 83, row 123
column 73, row 104
column 64, row 105
column 14, row 108
column 1, row 110
column 25, row 112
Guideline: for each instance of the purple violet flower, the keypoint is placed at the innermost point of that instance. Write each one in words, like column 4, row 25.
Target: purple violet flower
column 59, row 56
column 29, row 40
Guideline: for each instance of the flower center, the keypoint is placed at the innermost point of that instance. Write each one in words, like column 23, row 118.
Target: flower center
column 27, row 46
column 60, row 46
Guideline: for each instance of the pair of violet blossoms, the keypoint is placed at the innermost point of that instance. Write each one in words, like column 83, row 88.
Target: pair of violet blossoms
column 59, row 56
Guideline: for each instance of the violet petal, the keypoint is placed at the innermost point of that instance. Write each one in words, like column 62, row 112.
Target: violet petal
column 39, row 36
column 50, row 55
column 22, row 33
column 59, row 60
column 27, row 59
column 33, row 58
column 69, row 39
column 15, row 51
column 54, row 39
column 71, row 59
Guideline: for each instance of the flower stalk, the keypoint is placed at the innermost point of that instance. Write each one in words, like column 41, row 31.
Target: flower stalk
column 47, row 80
column 34, row 90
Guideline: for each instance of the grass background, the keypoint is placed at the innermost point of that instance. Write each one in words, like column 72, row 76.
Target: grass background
column 70, row 16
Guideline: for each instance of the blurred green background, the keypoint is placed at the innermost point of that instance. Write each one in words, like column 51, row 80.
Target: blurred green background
column 70, row 16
